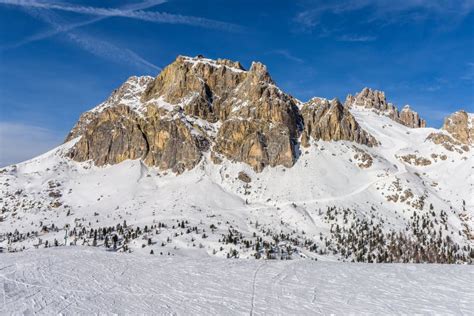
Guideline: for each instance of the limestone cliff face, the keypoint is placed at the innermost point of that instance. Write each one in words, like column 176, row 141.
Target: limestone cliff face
column 127, row 95
column 262, row 127
column 197, row 105
column 461, row 126
column 330, row 120
column 201, row 86
column 255, row 115
column 118, row 133
column 458, row 132
column 376, row 101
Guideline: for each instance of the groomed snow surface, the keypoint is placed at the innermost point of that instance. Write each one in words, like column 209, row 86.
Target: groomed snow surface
column 77, row 280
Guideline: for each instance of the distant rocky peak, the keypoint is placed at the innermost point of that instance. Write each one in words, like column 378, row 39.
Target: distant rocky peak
column 411, row 118
column 370, row 99
column 376, row 101
column 460, row 125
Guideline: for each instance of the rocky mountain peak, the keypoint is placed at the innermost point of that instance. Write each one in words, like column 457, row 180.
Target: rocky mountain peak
column 460, row 125
column 410, row 118
column 196, row 105
column 376, row 101
column 370, row 99
column 260, row 73
column 457, row 132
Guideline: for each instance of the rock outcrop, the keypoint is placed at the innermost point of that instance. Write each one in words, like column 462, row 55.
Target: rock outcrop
column 170, row 120
column 376, row 101
column 457, row 132
column 202, row 87
column 330, row 120
column 461, row 126
column 118, row 133
column 410, row 118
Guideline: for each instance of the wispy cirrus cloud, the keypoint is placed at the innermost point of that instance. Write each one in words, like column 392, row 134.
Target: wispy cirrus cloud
column 286, row 54
column 45, row 11
column 97, row 47
column 357, row 38
column 149, row 16
column 72, row 26
column 385, row 11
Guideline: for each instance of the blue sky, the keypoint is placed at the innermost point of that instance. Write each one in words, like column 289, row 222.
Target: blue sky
column 59, row 59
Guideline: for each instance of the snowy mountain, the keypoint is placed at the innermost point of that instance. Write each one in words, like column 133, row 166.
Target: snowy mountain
column 213, row 157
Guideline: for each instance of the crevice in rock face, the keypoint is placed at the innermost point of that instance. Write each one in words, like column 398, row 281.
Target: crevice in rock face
column 147, row 144
column 107, row 155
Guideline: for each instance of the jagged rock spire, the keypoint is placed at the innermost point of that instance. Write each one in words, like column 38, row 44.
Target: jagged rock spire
column 376, row 101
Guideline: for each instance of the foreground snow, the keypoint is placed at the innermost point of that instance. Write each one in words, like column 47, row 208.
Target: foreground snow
column 75, row 280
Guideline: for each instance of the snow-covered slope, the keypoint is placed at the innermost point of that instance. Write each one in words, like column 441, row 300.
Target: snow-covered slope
column 223, row 161
column 332, row 184
column 89, row 281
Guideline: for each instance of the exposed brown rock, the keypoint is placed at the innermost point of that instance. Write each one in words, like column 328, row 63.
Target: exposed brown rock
column 411, row 118
column 330, row 120
column 118, row 133
column 413, row 159
column 244, row 177
column 197, row 104
column 447, row 142
column 377, row 102
column 255, row 143
column 371, row 99
column 261, row 127
column 150, row 118
column 461, row 126
column 200, row 85
column 129, row 92
column 363, row 158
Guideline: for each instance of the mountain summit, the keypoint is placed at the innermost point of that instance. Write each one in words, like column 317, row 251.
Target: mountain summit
column 196, row 105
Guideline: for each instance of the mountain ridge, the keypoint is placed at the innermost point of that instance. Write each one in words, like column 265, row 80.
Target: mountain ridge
column 233, row 166
column 236, row 113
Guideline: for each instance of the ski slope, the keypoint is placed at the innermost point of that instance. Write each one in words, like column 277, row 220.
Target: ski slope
column 89, row 281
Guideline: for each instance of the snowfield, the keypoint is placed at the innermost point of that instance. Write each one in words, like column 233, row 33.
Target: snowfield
column 84, row 280
column 336, row 192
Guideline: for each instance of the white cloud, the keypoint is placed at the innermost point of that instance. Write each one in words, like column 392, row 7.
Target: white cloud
column 22, row 141
column 69, row 27
column 100, row 48
column 111, row 52
column 150, row 16
column 285, row 53
column 386, row 11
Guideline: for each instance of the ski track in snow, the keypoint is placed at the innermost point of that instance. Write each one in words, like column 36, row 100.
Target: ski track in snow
column 90, row 281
